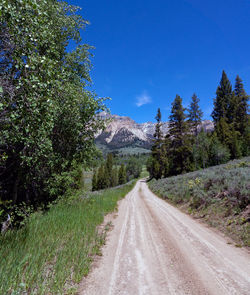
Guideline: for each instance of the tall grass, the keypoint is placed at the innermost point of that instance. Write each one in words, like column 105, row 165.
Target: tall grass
column 220, row 194
column 53, row 251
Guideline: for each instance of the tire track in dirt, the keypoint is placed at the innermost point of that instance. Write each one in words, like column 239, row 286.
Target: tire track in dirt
column 156, row 249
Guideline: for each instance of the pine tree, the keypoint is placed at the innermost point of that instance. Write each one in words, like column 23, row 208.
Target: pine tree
column 100, row 177
column 235, row 144
column 157, row 137
column 194, row 114
column 106, row 177
column 109, row 167
column 157, row 161
column 166, row 154
column 222, row 100
column 114, row 177
column 241, row 121
column 122, row 177
column 181, row 144
column 94, row 181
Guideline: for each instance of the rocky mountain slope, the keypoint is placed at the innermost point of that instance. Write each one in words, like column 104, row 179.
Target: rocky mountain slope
column 124, row 132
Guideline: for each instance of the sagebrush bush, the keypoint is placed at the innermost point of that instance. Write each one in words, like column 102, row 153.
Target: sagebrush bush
column 228, row 182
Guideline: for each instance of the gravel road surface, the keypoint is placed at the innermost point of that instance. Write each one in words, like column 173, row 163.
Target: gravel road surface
column 156, row 249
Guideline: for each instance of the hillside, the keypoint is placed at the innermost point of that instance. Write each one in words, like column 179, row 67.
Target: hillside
column 123, row 132
column 219, row 195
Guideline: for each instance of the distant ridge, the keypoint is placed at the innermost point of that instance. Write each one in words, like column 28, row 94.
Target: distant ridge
column 124, row 132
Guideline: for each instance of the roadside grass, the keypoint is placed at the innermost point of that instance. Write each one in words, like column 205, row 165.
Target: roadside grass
column 219, row 195
column 54, row 250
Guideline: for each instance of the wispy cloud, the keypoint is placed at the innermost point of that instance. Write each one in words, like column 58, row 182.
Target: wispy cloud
column 142, row 99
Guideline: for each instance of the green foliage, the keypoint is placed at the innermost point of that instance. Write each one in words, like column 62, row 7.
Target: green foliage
column 48, row 119
column 52, row 252
column 201, row 150
column 219, row 153
column 133, row 168
column 108, row 175
column 114, row 177
column 194, row 114
column 240, row 111
column 122, row 175
column 222, row 100
column 157, row 164
column 100, row 178
column 187, row 147
column 180, row 148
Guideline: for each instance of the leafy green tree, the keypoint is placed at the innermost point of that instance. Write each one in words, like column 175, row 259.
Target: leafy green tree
column 201, row 150
column 219, row 153
column 133, row 168
column 181, row 149
column 48, row 119
column 194, row 114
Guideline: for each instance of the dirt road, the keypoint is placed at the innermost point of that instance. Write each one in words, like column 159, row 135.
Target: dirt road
column 156, row 249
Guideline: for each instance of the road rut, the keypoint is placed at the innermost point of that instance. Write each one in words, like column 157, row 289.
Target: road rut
column 156, row 249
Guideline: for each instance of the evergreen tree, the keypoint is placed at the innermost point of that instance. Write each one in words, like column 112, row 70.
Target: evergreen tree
column 223, row 131
column 241, row 121
column 181, row 144
column 109, row 168
column 100, row 178
column 106, row 177
column 122, row 177
column 166, row 154
column 94, row 181
column 235, row 144
column 194, row 114
column 157, row 161
column 222, row 100
column 114, row 177
column 164, row 159
column 156, row 147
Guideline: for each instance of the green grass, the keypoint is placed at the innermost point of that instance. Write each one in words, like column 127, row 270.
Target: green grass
column 54, row 250
column 218, row 195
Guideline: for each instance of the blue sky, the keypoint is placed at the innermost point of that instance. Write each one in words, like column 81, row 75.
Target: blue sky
column 148, row 51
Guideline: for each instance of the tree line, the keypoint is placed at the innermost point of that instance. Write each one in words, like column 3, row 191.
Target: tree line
column 188, row 147
column 109, row 174
column 48, row 118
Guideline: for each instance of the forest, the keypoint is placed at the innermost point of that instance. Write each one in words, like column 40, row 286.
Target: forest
column 187, row 147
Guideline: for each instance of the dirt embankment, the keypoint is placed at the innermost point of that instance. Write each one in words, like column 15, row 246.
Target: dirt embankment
column 156, row 249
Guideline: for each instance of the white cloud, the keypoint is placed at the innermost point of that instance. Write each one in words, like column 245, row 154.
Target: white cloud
column 142, row 99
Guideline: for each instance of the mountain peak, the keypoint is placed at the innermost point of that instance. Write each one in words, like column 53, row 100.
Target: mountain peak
column 122, row 131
